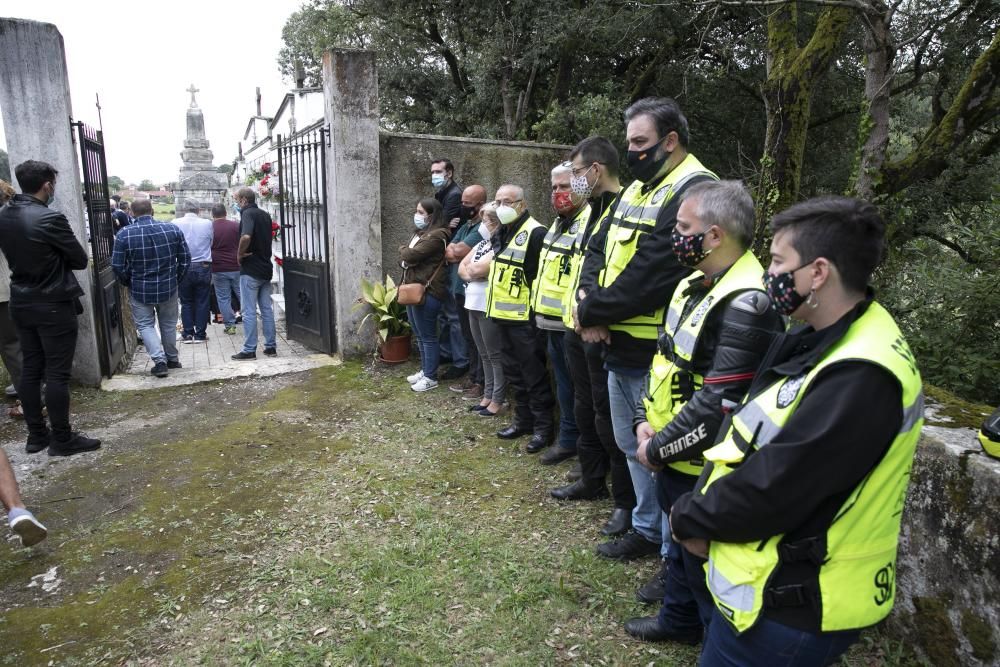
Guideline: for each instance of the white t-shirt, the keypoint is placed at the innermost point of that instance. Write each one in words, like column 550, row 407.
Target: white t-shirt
column 475, row 291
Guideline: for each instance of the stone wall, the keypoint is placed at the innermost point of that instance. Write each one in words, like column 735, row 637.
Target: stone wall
column 948, row 571
column 405, row 176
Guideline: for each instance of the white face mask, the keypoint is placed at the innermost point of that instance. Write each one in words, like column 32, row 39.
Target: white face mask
column 420, row 221
column 507, row 214
column 484, row 230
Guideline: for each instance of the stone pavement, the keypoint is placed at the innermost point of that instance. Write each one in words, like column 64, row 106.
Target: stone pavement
column 212, row 361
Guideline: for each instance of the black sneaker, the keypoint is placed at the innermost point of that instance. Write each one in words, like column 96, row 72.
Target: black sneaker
column 243, row 356
column 77, row 444
column 653, row 590
column 453, row 373
column 630, row 546
column 174, row 364
column 160, row 369
column 37, row 443
column 270, row 351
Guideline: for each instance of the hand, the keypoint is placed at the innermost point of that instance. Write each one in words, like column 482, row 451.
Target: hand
column 644, row 431
column 599, row 334
column 696, row 545
column 642, row 456
column 453, row 223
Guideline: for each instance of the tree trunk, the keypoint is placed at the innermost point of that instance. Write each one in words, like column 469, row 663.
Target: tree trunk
column 880, row 52
column 792, row 73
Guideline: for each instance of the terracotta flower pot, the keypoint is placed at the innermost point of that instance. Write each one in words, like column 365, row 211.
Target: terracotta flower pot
column 395, row 350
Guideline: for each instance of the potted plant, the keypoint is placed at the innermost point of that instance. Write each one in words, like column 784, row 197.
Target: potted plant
column 394, row 331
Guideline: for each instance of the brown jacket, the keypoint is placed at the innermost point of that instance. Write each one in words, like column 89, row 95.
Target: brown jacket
column 423, row 258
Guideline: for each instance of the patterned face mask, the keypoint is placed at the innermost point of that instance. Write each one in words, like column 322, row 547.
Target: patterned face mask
column 580, row 186
column 689, row 250
column 781, row 288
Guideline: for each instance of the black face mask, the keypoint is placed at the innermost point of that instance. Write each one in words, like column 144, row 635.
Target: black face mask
column 469, row 212
column 645, row 164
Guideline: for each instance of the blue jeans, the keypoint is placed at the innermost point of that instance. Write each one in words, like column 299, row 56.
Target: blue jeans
column 568, row 433
column 227, row 283
column 770, row 644
column 423, row 320
column 196, row 296
column 452, row 340
column 624, row 394
column 254, row 293
column 162, row 345
column 687, row 604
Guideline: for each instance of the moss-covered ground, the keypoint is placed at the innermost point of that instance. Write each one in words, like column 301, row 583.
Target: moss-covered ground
column 324, row 518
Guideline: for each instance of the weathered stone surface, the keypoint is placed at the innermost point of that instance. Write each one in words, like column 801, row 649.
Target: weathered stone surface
column 199, row 179
column 948, row 572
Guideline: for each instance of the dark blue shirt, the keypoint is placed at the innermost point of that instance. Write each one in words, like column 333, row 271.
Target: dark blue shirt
column 150, row 258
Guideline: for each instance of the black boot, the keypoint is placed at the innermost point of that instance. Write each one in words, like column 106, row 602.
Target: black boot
column 653, row 590
column 581, row 489
column 618, row 523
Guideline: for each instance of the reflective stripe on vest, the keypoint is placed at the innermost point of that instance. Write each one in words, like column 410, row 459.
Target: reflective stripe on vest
column 857, row 574
column 576, row 264
column 554, row 273
column 635, row 216
column 671, row 384
column 508, row 295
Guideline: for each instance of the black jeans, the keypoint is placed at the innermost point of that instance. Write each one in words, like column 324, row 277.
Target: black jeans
column 597, row 449
column 526, row 373
column 475, row 363
column 48, row 342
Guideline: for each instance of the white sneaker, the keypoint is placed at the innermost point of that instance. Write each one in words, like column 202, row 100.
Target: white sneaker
column 424, row 384
column 29, row 529
column 415, row 378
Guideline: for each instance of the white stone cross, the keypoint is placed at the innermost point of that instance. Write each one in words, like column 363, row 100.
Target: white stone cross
column 193, row 90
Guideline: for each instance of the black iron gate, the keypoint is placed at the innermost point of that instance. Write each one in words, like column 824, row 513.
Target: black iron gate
column 304, row 239
column 107, row 293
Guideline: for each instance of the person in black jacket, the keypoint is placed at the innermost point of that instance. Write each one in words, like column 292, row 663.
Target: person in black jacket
column 713, row 235
column 451, row 340
column 44, row 303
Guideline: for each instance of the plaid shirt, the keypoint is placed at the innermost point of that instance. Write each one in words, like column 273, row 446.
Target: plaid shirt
column 150, row 258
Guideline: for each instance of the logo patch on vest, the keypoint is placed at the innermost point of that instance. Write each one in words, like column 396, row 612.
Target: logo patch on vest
column 521, row 238
column 659, row 195
column 702, row 309
column 574, row 227
column 789, row 390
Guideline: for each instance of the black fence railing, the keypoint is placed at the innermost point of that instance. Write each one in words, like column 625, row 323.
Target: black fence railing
column 302, row 196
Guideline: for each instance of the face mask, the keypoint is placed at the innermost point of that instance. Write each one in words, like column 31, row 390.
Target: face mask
column 580, row 186
column 419, row 220
column 438, row 180
column 781, row 289
column 562, row 202
column 484, row 230
column 51, row 197
column 507, row 214
column 644, row 164
column 469, row 212
column 689, row 250
column 236, row 207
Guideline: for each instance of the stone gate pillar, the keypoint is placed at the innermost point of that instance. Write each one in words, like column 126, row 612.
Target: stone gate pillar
column 34, row 98
column 350, row 90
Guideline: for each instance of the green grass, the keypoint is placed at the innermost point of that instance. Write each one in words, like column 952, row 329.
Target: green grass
column 164, row 212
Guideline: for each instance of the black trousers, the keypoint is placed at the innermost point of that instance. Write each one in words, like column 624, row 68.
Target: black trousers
column 599, row 453
column 526, row 373
column 48, row 342
column 475, row 363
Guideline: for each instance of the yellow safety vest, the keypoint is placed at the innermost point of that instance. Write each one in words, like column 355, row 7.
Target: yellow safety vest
column 671, row 381
column 508, row 296
column 554, row 273
column 857, row 574
column 636, row 216
column 576, row 264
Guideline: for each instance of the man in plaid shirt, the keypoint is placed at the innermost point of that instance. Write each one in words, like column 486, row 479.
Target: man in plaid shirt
column 150, row 258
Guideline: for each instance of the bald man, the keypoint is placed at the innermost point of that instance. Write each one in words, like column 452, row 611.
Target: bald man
column 466, row 236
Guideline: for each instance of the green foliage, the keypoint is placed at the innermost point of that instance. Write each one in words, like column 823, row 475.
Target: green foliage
column 115, row 184
column 389, row 316
column 4, row 166
column 226, row 168
column 147, row 185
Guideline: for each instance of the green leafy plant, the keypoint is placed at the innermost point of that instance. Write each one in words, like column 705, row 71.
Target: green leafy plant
column 389, row 316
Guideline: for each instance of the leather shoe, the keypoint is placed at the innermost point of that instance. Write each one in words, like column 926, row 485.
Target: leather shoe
column 648, row 629
column 619, row 523
column 537, row 443
column 512, row 432
column 575, row 473
column 556, row 454
column 580, row 490
column 653, row 590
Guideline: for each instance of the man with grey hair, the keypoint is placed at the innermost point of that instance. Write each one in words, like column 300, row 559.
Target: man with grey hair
column 196, row 287
column 719, row 325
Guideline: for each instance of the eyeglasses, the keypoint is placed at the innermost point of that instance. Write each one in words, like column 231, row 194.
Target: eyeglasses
column 576, row 171
column 505, row 202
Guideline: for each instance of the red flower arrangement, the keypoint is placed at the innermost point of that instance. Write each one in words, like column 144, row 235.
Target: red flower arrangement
column 279, row 261
column 266, row 167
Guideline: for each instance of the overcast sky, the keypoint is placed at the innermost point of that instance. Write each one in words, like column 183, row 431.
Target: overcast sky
column 142, row 56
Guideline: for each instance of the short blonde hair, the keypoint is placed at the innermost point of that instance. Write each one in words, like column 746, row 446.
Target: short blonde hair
column 6, row 192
